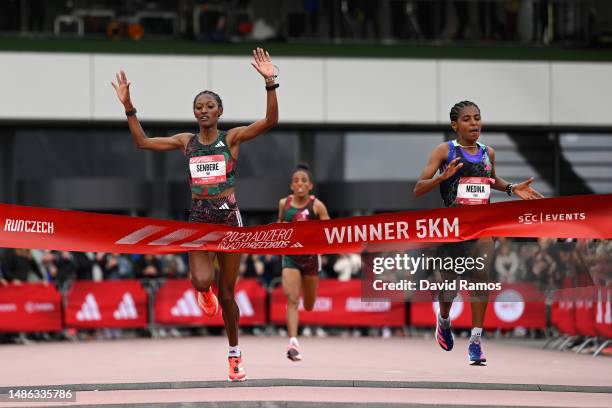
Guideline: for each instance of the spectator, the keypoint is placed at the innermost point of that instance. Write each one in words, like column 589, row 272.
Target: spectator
column 58, row 267
column 347, row 265
column 174, row 267
column 366, row 14
column 511, row 10
column 543, row 270
column 312, row 8
column 525, row 255
column 3, row 282
column 597, row 257
column 251, row 267
column 262, row 31
column 219, row 33
column 553, row 249
column 147, row 267
column 570, row 265
column 490, row 15
column 272, row 269
column 540, row 22
column 19, row 266
column 83, row 265
column 463, row 19
column 431, row 19
column 114, row 266
column 506, row 263
column 603, row 259
column 49, row 267
column 327, row 266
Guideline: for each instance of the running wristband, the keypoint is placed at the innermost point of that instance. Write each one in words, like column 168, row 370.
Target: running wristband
column 131, row 112
column 272, row 87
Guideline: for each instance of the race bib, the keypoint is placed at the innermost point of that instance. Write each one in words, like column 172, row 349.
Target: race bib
column 473, row 190
column 207, row 169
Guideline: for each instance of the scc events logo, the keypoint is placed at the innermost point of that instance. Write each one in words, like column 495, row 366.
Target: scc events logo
column 540, row 218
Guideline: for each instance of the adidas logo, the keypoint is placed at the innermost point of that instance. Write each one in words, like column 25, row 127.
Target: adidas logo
column 89, row 309
column 224, row 207
column 126, row 309
column 210, row 237
column 187, row 305
column 244, row 304
column 220, row 144
column 297, row 245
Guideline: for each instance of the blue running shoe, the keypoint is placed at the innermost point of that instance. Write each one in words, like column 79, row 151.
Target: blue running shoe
column 476, row 354
column 444, row 336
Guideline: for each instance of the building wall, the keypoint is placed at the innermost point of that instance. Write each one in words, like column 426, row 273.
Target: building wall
column 315, row 91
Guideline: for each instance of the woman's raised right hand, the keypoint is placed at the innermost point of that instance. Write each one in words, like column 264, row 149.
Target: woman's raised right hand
column 122, row 87
column 451, row 169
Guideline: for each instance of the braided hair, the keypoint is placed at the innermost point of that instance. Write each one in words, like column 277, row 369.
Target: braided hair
column 305, row 168
column 456, row 109
column 211, row 93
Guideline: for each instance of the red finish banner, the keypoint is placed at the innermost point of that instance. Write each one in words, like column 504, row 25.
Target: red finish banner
column 30, row 307
column 112, row 304
column 507, row 309
column 588, row 216
column 176, row 304
column 340, row 304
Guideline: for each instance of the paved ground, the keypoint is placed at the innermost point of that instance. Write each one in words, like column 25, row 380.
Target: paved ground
column 406, row 371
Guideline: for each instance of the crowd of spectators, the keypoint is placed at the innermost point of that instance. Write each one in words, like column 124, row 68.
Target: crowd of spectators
column 550, row 264
column 546, row 263
column 62, row 267
column 529, row 21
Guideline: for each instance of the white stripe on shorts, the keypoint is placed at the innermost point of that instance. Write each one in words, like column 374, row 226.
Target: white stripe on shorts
column 239, row 217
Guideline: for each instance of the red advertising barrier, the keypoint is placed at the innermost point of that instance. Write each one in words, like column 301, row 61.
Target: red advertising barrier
column 603, row 314
column 176, row 304
column 339, row 304
column 565, row 319
column 507, row 309
column 555, row 310
column 111, row 304
column 584, row 310
column 585, row 216
column 30, row 308
column 563, row 312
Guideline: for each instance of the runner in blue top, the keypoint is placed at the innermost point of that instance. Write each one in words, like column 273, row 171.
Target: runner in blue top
column 210, row 163
column 466, row 175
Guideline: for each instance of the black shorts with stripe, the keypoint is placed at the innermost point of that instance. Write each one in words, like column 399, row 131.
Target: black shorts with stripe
column 222, row 210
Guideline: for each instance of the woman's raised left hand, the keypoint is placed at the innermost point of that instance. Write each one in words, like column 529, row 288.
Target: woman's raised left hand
column 263, row 63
